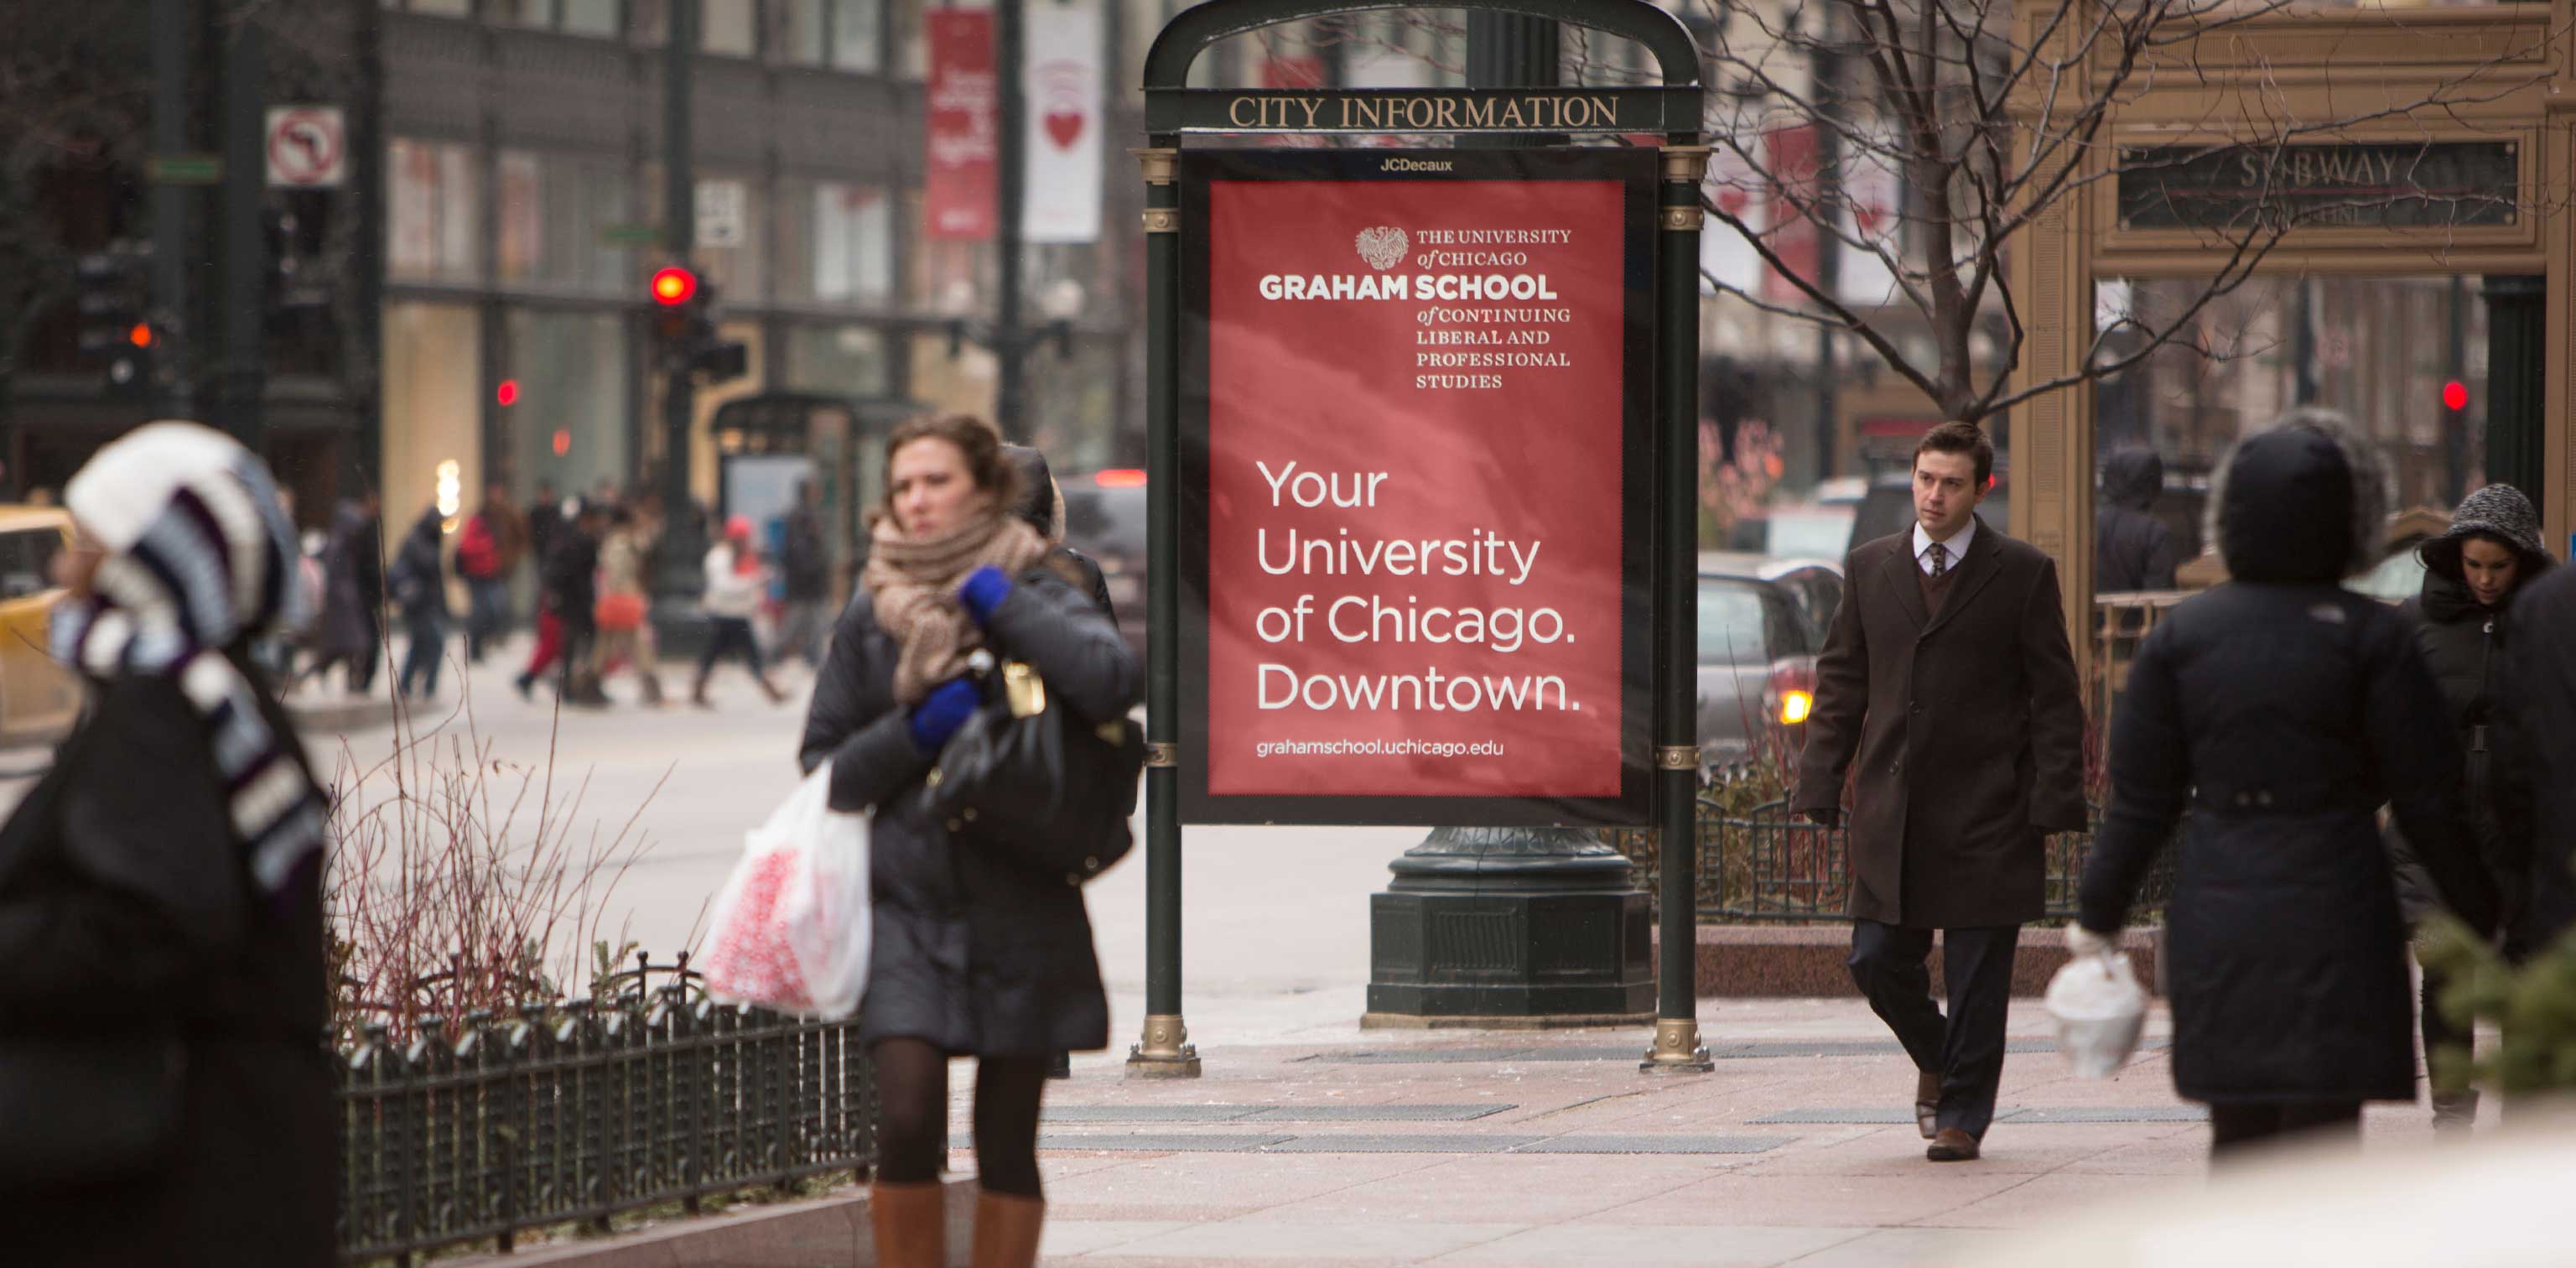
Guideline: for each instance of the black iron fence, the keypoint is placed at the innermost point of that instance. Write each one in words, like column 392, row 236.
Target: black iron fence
column 1766, row 864
column 587, row 1110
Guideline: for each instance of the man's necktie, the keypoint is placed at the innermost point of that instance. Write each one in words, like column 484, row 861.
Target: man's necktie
column 1940, row 557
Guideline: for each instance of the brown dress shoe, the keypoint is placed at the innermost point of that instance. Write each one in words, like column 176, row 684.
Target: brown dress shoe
column 1952, row 1145
column 1927, row 1102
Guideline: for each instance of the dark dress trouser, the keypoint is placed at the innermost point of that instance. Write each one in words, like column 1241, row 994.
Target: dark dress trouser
column 1890, row 964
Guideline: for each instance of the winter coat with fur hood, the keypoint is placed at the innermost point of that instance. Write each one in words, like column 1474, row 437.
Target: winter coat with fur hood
column 2281, row 711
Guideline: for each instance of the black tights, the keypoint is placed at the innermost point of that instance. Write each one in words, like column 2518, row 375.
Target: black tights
column 912, row 1123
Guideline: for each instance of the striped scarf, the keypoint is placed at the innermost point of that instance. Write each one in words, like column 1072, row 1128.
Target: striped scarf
column 198, row 555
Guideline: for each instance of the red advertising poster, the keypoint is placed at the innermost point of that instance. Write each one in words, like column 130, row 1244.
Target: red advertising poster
column 1417, row 515
column 1790, row 153
column 961, row 170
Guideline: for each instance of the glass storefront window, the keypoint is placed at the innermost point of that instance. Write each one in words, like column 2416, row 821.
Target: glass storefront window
column 839, row 243
column 911, row 40
column 1073, row 402
column 430, row 209
column 730, row 27
column 2405, row 358
column 570, row 425
column 836, row 360
column 952, row 279
column 554, row 208
column 649, row 21
column 796, row 31
column 590, row 17
column 858, row 35
column 535, row 13
column 433, row 392
column 444, row 8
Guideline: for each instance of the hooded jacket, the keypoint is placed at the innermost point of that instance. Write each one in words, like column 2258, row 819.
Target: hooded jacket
column 2132, row 549
column 2466, row 643
column 2281, row 711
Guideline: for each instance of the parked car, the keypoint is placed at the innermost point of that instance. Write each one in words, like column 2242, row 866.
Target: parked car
column 1104, row 517
column 38, row 696
column 1757, row 667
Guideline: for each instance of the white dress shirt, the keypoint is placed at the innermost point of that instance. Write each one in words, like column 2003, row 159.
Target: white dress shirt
column 1956, row 545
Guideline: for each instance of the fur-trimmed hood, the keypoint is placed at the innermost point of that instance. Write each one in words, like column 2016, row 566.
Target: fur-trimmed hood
column 2303, row 501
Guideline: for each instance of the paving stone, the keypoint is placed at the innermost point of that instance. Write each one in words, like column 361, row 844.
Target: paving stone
column 1375, row 1143
column 1149, row 1113
column 2111, row 1114
column 1158, row 1142
column 1377, row 1113
column 1656, row 1145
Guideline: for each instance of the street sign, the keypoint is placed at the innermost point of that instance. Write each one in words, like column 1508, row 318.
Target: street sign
column 183, row 169
column 308, row 147
column 629, row 234
column 720, row 213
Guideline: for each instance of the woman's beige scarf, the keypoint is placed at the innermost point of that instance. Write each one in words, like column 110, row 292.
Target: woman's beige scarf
column 913, row 583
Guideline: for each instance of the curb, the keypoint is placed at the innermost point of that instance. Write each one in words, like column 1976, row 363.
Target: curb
column 827, row 1232
column 1807, row 961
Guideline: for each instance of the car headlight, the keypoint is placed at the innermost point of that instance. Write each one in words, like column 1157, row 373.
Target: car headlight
column 1794, row 706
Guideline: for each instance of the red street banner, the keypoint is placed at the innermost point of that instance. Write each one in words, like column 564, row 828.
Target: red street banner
column 1415, row 400
column 961, row 171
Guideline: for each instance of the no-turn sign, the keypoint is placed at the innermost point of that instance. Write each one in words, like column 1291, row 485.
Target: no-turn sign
column 307, row 147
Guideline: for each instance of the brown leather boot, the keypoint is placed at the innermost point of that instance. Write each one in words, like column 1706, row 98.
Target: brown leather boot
column 1006, row 1230
column 911, row 1224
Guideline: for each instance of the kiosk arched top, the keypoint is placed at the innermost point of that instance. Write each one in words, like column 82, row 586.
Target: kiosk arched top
column 1167, row 64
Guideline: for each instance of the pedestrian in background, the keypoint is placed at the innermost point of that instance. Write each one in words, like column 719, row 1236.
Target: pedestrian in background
column 2283, row 710
column 545, row 519
column 974, row 954
column 737, row 581
column 166, row 957
column 420, row 591
column 805, row 581
column 625, row 607
column 2471, row 574
column 567, row 625
column 2132, row 549
column 353, row 611
column 488, row 551
column 1948, row 677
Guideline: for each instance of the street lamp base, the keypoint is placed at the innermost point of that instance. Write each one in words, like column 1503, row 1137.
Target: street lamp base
column 1677, row 1049
column 1165, row 1052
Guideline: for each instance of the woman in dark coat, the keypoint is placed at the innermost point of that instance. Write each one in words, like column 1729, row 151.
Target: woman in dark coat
column 2471, row 574
column 2284, row 710
column 420, row 590
column 179, row 932
column 975, row 954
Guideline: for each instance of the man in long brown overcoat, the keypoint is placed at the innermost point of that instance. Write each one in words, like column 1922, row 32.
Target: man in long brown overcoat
column 1948, row 676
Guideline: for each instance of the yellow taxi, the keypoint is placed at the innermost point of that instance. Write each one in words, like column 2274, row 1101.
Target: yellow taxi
column 38, row 696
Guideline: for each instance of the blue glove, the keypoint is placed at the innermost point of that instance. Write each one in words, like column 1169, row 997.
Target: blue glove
column 938, row 717
column 984, row 591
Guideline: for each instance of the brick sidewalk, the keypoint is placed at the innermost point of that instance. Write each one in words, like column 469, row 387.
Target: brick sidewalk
column 1325, row 1144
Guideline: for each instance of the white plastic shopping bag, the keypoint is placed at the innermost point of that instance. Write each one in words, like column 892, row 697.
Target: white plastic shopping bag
column 791, row 926
column 2099, row 1010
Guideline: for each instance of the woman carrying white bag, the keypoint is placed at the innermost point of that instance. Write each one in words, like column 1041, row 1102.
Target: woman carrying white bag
column 976, row 953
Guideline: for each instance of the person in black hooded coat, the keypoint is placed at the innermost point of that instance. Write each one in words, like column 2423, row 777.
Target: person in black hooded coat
column 2132, row 550
column 2284, row 710
column 2471, row 574
column 974, row 953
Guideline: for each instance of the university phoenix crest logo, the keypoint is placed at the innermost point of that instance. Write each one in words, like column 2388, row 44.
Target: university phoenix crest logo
column 1382, row 246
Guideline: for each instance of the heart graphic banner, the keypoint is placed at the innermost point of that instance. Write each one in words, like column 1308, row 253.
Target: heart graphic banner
column 1063, row 143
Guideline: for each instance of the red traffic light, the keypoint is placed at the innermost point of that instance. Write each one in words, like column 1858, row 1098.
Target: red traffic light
column 508, row 393
column 140, row 336
column 674, row 285
column 2455, row 395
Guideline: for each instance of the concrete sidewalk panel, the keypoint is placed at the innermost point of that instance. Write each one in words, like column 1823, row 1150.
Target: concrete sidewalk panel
column 1703, row 1245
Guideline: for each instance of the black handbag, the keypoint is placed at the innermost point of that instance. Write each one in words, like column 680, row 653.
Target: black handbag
column 1039, row 782
column 89, row 1109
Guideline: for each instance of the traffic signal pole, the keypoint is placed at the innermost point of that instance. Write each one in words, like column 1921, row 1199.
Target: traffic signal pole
column 243, row 302
column 679, row 237
column 173, row 21
column 1010, row 116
